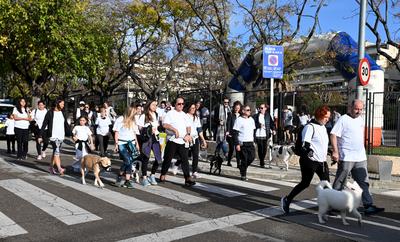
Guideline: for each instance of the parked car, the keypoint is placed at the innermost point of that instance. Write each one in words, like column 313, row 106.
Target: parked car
column 5, row 109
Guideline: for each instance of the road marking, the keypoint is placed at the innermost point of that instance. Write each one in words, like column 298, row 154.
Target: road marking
column 167, row 193
column 14, row 167
column 219, row 223
column 238, row 183
column 340, row 230
column 9, row 228
column 55, row 206
column 391, row 193
column 209, row 188
column 278, row 182
column 115, row 198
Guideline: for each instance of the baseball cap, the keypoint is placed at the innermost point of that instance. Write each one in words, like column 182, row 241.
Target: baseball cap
column 81, row 103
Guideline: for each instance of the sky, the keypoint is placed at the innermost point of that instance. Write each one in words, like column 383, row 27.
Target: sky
column 337, row 15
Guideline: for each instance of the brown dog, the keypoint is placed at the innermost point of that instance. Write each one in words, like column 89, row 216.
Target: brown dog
column 94, row 163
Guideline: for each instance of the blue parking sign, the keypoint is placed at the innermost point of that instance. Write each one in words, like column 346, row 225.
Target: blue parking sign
column 273, row 61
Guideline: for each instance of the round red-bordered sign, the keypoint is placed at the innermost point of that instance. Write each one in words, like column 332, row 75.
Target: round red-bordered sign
column 364, row 71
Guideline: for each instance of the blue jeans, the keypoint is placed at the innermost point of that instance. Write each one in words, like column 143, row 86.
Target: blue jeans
column 360, row 175
column 126, row 157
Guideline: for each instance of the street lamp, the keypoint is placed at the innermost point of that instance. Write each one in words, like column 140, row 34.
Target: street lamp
column 129, row 94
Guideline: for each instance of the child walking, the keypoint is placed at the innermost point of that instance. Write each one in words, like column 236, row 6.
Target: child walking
column 10, row 134
column 82, row 135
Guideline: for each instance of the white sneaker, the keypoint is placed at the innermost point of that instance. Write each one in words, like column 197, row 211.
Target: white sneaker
column 39, row 157
column 43, row 154
column 196, row 175
column 174, row 169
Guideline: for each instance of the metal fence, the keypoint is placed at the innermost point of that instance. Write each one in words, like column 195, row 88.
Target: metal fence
column 384, row 123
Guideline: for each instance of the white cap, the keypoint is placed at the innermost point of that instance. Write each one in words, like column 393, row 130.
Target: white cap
column 82, row 102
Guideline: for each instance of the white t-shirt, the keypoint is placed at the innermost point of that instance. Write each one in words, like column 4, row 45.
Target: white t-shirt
column 261, row 132
column 318, row 138
column 58, row 130
column 303, row 120
column 82, row 132
column 126, row 134
column 195, row 124
column 350, row 138
column 179, row 121
column 10, row 123
column 246, row 127
column 103, row 125
column 155, row 123
column 21, row 124
column 38, row 115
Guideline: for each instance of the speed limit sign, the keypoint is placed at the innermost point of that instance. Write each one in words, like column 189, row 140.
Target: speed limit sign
column 364, row 71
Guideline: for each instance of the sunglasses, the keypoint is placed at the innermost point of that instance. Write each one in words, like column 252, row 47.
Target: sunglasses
column 261, row 108
column 226, row 102
column 180, row 104
column 247, row 110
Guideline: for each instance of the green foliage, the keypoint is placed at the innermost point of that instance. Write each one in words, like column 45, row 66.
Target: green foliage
column 42, row 39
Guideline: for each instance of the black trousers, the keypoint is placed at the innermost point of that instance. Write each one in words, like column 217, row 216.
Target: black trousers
column 103, row 144
column 39, row 147
column 308, row 168
column 247, row 154
column 10, row 143
column 22, row 136
column 170, row 149
column 262, row 147
column 194, row 152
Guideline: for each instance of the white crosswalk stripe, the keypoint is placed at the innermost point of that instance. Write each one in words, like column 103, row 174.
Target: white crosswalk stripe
column 57, row 207
column 238, row 183
column 168, row 193
column 9, row 228
column 115, row 198
column 208, row 188
column 216, row 224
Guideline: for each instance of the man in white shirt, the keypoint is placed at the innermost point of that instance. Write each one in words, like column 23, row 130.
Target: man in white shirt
column 347, row 139
column 178, row 128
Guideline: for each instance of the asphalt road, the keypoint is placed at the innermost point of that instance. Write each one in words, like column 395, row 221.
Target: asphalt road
column 37, row 206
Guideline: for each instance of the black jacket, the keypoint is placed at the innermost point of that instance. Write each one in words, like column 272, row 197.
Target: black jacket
column 47, row 127
column 269, row 122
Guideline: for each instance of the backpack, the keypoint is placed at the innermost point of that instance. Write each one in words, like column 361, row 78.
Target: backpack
column 298, row 146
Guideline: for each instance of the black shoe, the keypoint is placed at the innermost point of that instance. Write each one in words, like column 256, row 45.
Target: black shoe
column 262, row 166
column 229, row 164
column 285, row 205
column 243, row 178
column 189, row 183
column 372, row 209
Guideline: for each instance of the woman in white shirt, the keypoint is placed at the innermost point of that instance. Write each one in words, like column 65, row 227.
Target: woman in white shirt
column 38, row 115
column 103, row 123
column 244, row 139
column 148, row 124
column 125, row 130
column 313, row 159
column 55, row 127
column 21, row 128
column 196, row 133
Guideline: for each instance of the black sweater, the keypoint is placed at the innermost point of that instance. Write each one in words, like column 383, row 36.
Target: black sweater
column 47, row 127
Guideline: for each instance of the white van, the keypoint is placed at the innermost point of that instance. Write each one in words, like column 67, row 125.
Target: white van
column 5, row 110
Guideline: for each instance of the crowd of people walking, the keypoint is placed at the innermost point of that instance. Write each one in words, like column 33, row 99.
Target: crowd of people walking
column 235, row 129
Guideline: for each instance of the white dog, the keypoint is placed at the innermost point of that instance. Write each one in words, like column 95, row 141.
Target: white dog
column 346, row 200
column 281, row 155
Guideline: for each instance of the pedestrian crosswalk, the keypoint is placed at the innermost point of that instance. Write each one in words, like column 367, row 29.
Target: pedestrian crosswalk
column 9, row 228
column 57, row 207
column 65, row 210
